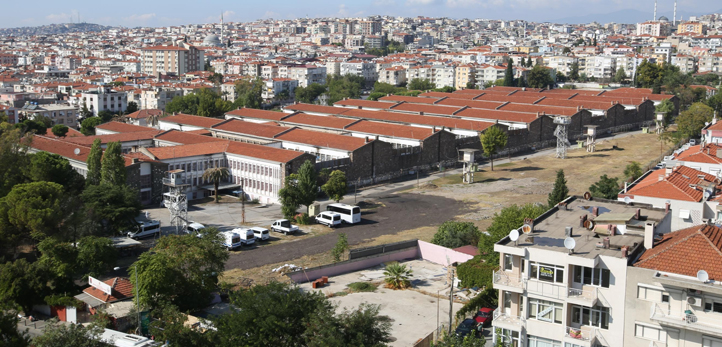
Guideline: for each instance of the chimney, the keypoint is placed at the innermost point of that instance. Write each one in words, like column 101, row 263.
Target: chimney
column 637, row 214
column 666, row 207
column 582, row 219
column 595, row 211
column 660, row 178
column 134, row 160
column 625, row 251
column 625, row 187
column 668, row 171
column 648, row 235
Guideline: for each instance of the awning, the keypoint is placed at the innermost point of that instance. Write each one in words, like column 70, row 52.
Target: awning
column 684, row 214
column 220, row 186
column 89, row 299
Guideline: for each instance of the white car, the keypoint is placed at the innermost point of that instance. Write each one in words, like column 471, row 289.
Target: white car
column 330, row 219
column 247, row 236
column 145, row 229
column 284, row 226
column 194, row 228
column 261, row 233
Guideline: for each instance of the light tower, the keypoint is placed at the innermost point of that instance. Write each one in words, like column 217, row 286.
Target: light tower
column 561, row 134
column 176, row 200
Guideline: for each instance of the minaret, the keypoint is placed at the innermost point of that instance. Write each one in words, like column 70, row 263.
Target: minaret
column 674, row 19
column 223, row 43
column 655, row 11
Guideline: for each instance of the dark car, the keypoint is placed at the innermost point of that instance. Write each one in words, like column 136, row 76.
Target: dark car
column 466, row 327
column 484, row 316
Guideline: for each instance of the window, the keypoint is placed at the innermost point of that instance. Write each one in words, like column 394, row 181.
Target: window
column 546, row 311
column 508, row 262
column 596, row 316
column 547, row 272
column 145, row 181
column 711, row 342
column 649, row 332
column 592, row 276
column 195, row 167
column 649, row 293
column 711, row 305
column 510, row 338
column 535, row 341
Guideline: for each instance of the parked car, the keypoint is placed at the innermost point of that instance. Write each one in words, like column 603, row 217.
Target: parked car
column 330, row 219
column 145, row 229
column 194, row 228
column 231, row 240
column 484, row 316
column 466, row 327
column 260, row 233
column 284, row 226
column 247, row 236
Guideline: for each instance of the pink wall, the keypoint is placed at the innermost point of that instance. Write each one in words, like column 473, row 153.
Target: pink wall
column 350, row 266
column 437, row 254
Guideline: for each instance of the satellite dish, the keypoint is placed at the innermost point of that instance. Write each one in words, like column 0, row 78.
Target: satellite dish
column 627, row 200
column 702, row 276
column 589, row 224
column 587, row 196
column 569, row 244
column 514, row 235
column 526, row 229
column 77, row 151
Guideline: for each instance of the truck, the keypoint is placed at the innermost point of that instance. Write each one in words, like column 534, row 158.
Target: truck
column 247, row 236
column 231, row 240
column 284, row 226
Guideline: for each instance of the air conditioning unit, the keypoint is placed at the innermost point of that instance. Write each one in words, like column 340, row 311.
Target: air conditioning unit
column 694, row 301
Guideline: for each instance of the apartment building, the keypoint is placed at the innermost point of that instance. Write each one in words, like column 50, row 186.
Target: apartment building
column 307, row 74
column 440, row 75
column 690, row 27
column 361, row 68
column 561, row 63
column 157, row 98
column 65, row 114
column 653, row 28
column 368, row 27
column 171, row 60
column 673, row 295
column 464, row 74
column 395, row 75
column 103, row 99
column 277, row 86
column 685, row 63
column 561, row 293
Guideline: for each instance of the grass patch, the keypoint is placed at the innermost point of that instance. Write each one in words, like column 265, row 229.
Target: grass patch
column 448, row 180
column 340, row 293
column 504, row 165
column 362, row 287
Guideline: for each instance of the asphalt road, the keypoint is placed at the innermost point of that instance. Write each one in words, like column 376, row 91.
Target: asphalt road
column 401, row 212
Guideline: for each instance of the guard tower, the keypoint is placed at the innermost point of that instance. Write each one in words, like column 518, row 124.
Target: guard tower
column 560, row 132
column 175, row 200
column 591, row 137
column 468, row 157
column 660, row 122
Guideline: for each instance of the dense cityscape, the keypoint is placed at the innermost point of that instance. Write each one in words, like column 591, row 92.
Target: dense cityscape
column 362, row 181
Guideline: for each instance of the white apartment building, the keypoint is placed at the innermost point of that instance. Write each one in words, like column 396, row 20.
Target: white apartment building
column 361, row 68
column 668, row 301
column 157, row 98
column 685, row 63
column 653, row 28
column 103, row 100
column 64, row 114
column 440, row 75
column 395, row 75
column 598, row 66
column 276, row 86
column 553, row 297
column 307, row 74
column 561, row 63
column 172, row 60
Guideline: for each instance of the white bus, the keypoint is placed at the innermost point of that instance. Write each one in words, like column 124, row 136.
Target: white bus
column 349, row 214
column 145, row 229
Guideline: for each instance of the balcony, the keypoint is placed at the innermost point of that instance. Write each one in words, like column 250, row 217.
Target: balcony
column 508, row 281
column 587, row 296
column 507, row 321
column 583, row 336
column 688, row 320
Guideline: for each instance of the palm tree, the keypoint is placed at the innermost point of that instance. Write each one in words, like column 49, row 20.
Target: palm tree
column 216, row 175
column 397, row 276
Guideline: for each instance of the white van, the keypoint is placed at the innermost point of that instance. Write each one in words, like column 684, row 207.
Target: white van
column 194, row 228
column 247, row 236
column 330, row 219
column 261, row 234
column 145, row 229
column 349, row 214
column 231, row 240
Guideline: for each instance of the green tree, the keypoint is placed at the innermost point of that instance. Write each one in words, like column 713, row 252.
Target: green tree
column 606, row 188
column 667, row 108
column 453, row 234
column 421, row 84
column 445, row 89
column 290, row 196
column 560, row 190
column 507, row 219
column 58, row 260
column 216, row 79
column 715, row 102
column 249, row 93
column 76, row 335
column 131, row 107
column 620, row 75
column 202, row 102
column 396, row 276
column 509, row 74
column 13, row 149
column 566, row 50
column 22, row 284
column 375, row 96
column 85, row 113
column 340, row 248
column 336, row 186
column 50, row 167
column 87, row 126
column 633, row 171
column 32, row 209
column 32, row 126
column 574, row 71
column 94, row 163
column 454, row 340
column 181, row 270
column 648, row 74
column 216, row 175
column 10, row 334
column 309, row 94
column 105, row 116
column 112, row 171
column 96, row 256
column 539, row 77
column 493, row 139
column 560, row 77
column 111, row 206
column 691, row 121
column 358, row 327
column 171, row 327
column 471, row 85
column 341, row 87
column 307, row 183
column 60, row 130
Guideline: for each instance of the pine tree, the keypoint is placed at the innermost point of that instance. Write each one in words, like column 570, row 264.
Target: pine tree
column 560, row 191
column 93, row 161
column 112, row 170
column 509, row 74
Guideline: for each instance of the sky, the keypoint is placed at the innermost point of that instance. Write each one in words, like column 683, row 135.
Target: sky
column 132, row 13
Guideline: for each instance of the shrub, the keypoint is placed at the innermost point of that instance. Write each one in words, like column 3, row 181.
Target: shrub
column 362, row 287
column 397, row 276
column 475, row 273
column 454, row 234
column 487, row 298
column 303, row 219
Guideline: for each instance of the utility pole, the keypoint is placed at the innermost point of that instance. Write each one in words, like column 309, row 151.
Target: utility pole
column 418, row 185
column 355, row 190
column 451, row 301
column 243, row 203
column 137, row 300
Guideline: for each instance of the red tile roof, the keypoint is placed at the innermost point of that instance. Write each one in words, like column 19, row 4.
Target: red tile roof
column 393, row 99
column 262, row 152
column 122, row 137
column 518, row 117
column 426, row 109
column 407, row 118
column 255, row 113
column 143, row 114
column 314, row 108
column 324, row 121
column 186, row 137
column 391, row 130
column 315, row 138
column 191, row 150
column 60, row 147
column 465, row 96
column 119, row 127
column 363, row 103
column 489, row 105
column 696, row 155
column 121, row 289
column 71, row 133
column 187, row 119
column 268, row 130
column 681, row 184
column 687, row 251
column 550, row 110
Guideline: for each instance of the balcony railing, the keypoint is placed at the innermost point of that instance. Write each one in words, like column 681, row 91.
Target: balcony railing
column 584, row 333
column 505, row 279
column 685, row 320
column 507, row 320
column 587, row 294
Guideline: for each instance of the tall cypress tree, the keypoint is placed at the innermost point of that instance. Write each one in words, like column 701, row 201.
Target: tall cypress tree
column 113, row 165
column 509, row 74
column 93, row 161
column 560, row 191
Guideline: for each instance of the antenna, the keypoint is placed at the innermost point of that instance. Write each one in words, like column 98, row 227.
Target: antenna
column 569, row 244
column 702, row 276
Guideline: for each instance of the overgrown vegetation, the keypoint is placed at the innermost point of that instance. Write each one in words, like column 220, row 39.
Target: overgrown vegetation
column 453, row 234
column 362, row 287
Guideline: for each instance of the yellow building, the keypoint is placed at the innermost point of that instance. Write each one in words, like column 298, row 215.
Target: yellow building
column 690, row 27
column 464, row 75
column 525, row 49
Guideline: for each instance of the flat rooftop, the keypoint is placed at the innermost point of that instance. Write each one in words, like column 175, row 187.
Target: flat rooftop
column 549, row 228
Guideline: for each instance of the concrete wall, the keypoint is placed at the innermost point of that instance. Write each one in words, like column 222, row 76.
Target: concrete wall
column 353, row 265
column 441, row 255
